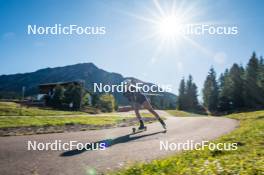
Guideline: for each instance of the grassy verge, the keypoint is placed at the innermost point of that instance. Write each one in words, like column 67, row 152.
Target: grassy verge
column 16, row 121
column 55, row 120
column 13, row 109
column 247, row 159
column 6, row 122
column 178, row 113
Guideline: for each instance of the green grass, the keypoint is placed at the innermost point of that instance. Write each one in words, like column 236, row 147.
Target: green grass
column 53, row 120
column 18, row 121
column 179, row 113
column 10, row 116
column 14, row 109
column 248, row 159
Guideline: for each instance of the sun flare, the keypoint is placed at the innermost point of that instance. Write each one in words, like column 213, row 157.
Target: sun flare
column 170, row 26
column 169, row 23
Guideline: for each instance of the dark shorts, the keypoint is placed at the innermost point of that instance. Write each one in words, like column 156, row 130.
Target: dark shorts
column 140, row 98
column 135, row 97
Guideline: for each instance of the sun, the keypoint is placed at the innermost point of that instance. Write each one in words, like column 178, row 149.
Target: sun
column 170, row 26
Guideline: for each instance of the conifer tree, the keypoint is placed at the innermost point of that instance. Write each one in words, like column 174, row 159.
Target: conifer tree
column 236, row 86
column 181, row 98
column 210, row 91
column 253, row 96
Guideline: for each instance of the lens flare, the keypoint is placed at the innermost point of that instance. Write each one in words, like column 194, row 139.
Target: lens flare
column 170, row 26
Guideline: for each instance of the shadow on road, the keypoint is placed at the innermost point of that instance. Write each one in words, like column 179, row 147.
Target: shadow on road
column 108, row 143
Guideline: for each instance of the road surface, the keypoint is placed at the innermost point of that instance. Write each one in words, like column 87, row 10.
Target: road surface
column 123, row 148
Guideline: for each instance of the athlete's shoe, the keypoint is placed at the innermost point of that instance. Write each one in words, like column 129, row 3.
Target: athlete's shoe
column 141, row 126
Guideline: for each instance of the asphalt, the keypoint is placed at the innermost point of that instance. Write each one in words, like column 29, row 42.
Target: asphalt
column 123, row 147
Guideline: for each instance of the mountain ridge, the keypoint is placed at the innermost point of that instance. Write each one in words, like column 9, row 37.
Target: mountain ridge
column 89, row 72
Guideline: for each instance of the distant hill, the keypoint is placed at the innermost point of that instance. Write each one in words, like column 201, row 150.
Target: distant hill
column 11, row 85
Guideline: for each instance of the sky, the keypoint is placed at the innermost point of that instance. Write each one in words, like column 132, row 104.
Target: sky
column 134, row 44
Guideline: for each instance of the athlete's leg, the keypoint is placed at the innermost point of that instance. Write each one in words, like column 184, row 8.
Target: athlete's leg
column 148, row 106
column 136, row 109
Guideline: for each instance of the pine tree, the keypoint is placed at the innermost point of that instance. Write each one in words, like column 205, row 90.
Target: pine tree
column 181, row 98
column 187, row 99
column 194, row 95
column 237, row 86
column 261, row 74
column 253, row 96
column 191, row 94
column 224, row 100
column 210, row 91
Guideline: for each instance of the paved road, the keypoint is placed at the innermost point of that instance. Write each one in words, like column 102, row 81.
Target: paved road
column 123, row 149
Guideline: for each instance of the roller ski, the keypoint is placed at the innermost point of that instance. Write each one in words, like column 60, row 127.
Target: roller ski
column 141, row 128
column 138, row 130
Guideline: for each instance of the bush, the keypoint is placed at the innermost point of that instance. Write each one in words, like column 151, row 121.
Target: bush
column 106, row 102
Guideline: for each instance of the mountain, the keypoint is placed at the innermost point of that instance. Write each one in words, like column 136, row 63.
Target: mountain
column 11, row 85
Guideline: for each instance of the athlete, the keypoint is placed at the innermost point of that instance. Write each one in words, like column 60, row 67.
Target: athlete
column 139, row 100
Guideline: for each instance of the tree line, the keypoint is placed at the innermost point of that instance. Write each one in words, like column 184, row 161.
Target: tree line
column 238, row 88
column 76, row 97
